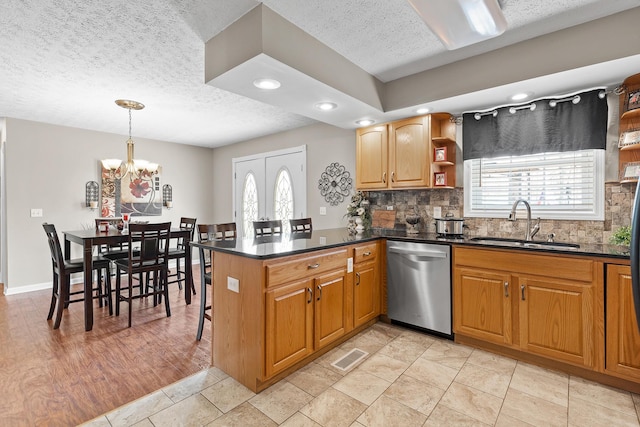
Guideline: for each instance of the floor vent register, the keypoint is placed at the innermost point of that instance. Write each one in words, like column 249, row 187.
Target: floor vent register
column 350, row 359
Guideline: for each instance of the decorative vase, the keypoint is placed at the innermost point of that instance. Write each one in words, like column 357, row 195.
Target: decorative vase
column 359, row 226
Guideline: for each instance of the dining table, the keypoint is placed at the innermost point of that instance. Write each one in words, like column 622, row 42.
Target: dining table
column 93, row 237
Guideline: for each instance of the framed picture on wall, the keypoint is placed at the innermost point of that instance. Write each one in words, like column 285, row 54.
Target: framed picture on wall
column 631, row 171
column 440, row 179
column 630, row 137
column 633, row 100
column 440, row 154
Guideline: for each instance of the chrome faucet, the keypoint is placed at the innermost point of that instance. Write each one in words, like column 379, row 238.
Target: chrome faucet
column 512, row 217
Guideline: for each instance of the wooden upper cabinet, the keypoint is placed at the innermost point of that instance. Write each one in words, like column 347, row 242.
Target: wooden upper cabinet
column 371, row 157
column 408, row 146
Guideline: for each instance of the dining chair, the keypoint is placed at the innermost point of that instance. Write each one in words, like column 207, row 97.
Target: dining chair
column 151, row 259
column 177, row 253
column 267, row 228
column 225, row 231
column 301, row 225
column 221, row 232
column 61, row 294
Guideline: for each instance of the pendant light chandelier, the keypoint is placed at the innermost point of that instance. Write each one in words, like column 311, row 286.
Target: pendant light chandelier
column 132, row 167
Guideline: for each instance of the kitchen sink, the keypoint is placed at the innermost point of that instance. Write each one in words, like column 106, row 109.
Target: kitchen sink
column 504, row 241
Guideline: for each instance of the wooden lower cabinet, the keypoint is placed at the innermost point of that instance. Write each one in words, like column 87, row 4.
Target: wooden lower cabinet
column 289, row 325
column 366, row 298
column 622, row 336
column 482, row 304
column 541, row 304
column 330, row 311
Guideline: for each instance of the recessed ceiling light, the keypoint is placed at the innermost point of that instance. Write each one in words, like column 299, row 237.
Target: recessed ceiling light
column 520, row 96
column 423, row 110
column 268, row 84
column 365, row 122
column 326, row 106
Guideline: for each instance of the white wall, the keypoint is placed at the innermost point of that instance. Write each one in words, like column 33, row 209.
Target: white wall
column 325, row 144
column 47, row 167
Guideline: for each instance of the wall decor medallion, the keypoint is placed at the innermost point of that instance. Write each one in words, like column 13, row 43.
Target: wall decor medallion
column 335, row 183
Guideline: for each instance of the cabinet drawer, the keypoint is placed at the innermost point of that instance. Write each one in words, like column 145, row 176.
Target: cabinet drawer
column 287, row 271
column 366, row 253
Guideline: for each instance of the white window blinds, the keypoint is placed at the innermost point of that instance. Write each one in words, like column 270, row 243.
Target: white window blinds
column 567, row 185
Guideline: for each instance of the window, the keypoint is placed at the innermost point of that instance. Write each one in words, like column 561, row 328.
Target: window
column 283, row 199
column 567, row 185
column 249, row 204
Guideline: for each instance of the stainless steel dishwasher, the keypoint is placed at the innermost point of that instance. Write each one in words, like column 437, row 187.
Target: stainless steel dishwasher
column 419, row 285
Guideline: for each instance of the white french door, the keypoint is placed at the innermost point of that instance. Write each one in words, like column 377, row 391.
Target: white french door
column 269, row 185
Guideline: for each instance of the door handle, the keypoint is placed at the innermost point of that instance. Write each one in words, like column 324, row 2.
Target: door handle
column 313, row 266
column 506, row 289
column 522, row 291
column 384, row 177
column 357, row 279
column 393, row 176
column 319, row 292
column 366, row 253
column 310, row 295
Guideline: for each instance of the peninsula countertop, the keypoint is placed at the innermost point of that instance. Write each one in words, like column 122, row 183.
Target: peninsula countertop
column 296, row 243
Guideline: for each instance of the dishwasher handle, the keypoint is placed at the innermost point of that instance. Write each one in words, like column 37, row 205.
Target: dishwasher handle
column 418, row 254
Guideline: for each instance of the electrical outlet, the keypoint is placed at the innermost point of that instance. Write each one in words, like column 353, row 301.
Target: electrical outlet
column 323, row 210
column 349, row 265
column 437, row 212
column 389, row 207
column 36, row 213
column 233, row 284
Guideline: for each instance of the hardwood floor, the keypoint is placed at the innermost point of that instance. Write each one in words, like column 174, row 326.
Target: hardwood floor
column 67, row 376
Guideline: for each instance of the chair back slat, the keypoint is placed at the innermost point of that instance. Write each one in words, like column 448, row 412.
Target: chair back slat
column 205, row 232
column 57, row 257
column 225, row 231
column 186, row 224
column 267, row 228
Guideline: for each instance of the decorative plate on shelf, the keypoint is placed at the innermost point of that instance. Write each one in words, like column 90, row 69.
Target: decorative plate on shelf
column 628, row 138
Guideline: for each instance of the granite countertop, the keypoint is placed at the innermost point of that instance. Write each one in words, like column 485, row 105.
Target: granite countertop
column 324, row 239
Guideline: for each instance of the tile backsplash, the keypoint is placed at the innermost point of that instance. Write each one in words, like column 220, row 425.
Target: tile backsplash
column 618, row 204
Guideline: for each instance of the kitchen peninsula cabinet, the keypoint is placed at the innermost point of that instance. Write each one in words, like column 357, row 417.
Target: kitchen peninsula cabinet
column 277, row 306
column 539, row 304
column 400, row 154
column 622, row 336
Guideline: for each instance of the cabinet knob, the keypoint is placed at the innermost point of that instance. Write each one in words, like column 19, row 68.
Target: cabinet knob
column 506, row 289
column 313, row 266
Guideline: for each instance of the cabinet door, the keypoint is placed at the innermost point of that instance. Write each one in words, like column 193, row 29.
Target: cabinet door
column 622, row 336
column 371, row 157
column 482, row 304
column 557, row 319
column 330, row 321
column 408, row 146
column 365, row 294
column 289, row 325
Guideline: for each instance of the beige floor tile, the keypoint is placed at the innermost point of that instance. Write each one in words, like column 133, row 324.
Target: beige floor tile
column 448, row 353
column 227, row 394
column 333, row 408
column 507, row 421
column 388, row 412
column 245, row 415
column 281, row 400
column 415, row 394
column 194, row 384
column 384, row 367
column 446, row 417
column 313, row 378
column 140, row 409
column 585, row 414
column 143, row 423
column 299, row 420
column 407, row 347
column 193, row 411
column 362, row 386
column 599, row 394
column 432, row 373
column 484, row 379
column 331, row 356
column 97, row 422
column 472, row 402
column 533, row 410
column 492, row 361
column 543, row 383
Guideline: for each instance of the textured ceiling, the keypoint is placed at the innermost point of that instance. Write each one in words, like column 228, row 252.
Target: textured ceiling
column 66, row 61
